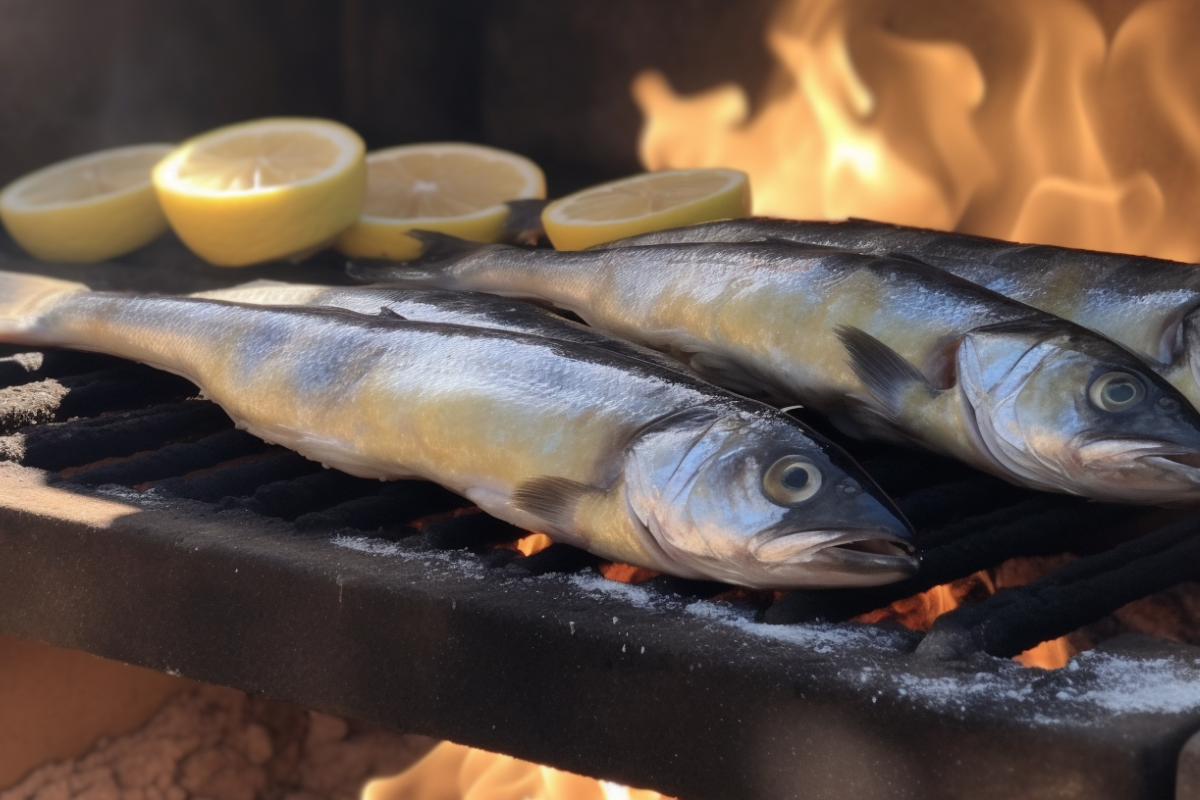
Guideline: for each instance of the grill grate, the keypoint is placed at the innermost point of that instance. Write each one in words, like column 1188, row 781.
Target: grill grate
column 496, row 648
column 109, row 423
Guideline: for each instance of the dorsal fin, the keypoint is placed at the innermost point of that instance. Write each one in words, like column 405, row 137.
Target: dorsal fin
column 390, row 313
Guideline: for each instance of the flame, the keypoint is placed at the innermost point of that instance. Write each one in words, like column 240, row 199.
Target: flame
column 919, row 611
column 533, row 543
column 453, row 772
column 627, row 573
column 1039, row 122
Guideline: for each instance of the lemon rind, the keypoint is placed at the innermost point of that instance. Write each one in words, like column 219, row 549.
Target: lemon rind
column 11, row 192
column 553, row 212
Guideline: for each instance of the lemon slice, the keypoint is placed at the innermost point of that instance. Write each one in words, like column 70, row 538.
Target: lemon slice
column 643, row 203
column 452, row 188
column 262, row 190
column 88, row 208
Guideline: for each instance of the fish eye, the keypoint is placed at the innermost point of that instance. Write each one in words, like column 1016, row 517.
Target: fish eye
column 1116, row 391
column 791, row 480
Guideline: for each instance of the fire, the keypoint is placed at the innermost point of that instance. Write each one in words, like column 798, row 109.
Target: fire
column 533, row 543
column 919, row 611
column 1043, row 122
column 454, row 772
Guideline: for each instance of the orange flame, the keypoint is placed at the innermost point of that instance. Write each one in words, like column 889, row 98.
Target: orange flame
column 454, row 772
column 533, row 543
column 1027, row 121
column 919, row 612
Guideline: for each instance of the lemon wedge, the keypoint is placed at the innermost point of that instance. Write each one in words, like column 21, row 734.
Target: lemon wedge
column 87, row 208
column 263, row 190
column 452, row 188
column 652, row 201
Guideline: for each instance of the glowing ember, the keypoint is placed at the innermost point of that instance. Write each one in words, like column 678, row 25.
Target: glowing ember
column 1035, row 122
column 533, row 543
column 919, row 611
column 454, row 772
column 627, row 573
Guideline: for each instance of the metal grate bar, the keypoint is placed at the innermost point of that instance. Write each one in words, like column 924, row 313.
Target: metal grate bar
column 1014, row 620
column 170, row 461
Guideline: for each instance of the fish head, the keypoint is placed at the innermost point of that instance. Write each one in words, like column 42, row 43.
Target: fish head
column 753, row 498
column 1071, row 411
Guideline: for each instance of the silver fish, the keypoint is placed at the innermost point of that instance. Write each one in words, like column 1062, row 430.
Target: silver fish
column 628, row 460
column 476, row 309
column 1150, row 305
column 892, row 347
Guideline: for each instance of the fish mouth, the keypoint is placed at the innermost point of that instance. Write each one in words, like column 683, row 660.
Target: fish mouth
column 1128, row 451
column 840, row 558
column 1141, row 471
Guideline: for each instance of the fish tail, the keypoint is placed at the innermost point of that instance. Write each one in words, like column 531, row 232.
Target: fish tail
column 24, row 301
column 440, row 252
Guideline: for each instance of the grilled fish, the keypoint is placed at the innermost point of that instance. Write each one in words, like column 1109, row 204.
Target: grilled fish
column 476, row 309
column 889, row 346
column 1147, row 304
column 610, row 453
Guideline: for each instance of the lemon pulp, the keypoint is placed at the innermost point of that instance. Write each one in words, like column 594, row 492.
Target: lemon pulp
column 453, row 188
column 263, row 190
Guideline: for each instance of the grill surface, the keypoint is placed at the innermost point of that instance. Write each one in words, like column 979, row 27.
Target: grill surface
column 137, row 524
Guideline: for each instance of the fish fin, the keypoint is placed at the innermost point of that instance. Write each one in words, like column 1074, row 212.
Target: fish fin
column 525, row 217
column 552, row 499
column 886, row 373
column 388, row 313
column 896, row 255
column 24, row 298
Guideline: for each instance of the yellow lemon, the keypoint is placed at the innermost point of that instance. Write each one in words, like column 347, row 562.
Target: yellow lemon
column 452, row 188
column 88, row 208
column 262, row 190
column 649, row 202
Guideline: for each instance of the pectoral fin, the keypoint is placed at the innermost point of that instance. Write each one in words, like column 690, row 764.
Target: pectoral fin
column 885, row 373
column 554, row 500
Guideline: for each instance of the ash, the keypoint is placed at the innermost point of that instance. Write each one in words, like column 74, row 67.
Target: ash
column 220, row 744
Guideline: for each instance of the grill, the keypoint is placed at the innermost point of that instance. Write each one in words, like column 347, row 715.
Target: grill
column 136, row 523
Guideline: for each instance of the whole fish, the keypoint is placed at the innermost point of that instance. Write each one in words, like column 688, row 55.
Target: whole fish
column 1150, row 305
column 476, row 309
column 613, row 454
column 890, row 346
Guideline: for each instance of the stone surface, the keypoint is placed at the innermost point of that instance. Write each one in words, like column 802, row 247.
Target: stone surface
column 220, row 744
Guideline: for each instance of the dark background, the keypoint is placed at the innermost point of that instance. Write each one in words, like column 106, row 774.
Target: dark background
column 546, row 78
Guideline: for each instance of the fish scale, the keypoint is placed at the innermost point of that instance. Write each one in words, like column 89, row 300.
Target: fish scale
column 618, row 455
column 888, row 347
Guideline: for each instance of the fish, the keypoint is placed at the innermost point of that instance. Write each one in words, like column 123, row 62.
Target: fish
column 613, row 454
column 1150, row 305
column 476, row 309
column 887, row 347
